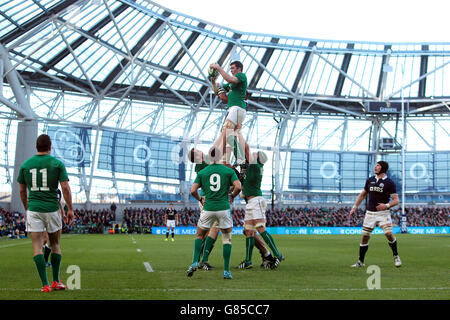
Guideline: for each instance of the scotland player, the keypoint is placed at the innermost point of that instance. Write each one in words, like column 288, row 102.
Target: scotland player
column 171, row 218
column 380, row 190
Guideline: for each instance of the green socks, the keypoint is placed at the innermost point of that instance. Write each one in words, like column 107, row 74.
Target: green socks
column 39, row 260
column 55, row 260
column 269, row 240
column 197, row 250
column 226, row 256
column 209, row 244
column 249, row 244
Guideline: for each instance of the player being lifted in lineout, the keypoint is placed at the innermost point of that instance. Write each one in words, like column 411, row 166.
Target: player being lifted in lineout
column 236, row 87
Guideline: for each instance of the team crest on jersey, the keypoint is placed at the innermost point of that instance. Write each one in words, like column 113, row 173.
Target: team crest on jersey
column 381, row 185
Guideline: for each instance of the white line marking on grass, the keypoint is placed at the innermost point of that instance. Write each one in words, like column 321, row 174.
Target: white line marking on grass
column 231, row 290
column 294, row 290
column 15, row 244
column 21, row 242
column 148, row 267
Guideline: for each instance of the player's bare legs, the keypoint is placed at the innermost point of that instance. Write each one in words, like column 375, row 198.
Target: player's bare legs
column 250, row 228
column 242, row 141
column 229, row 129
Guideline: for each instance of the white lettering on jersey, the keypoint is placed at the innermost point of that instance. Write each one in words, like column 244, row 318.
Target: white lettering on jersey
column 377, row 189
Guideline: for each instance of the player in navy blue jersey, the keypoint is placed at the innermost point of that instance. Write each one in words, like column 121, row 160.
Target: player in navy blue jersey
column 171, row 219
column 381, row 190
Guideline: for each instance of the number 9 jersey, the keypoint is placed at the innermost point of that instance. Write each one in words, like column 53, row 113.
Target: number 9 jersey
column 42, row 174
column 215, row 181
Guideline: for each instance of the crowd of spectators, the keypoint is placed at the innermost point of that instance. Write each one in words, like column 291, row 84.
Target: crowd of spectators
column 12, row 224
column 91, row 221
column 425, row 216
column 134, row 218
column 141, row 220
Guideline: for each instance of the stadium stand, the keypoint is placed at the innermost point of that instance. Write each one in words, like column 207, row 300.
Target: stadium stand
column 140, row 220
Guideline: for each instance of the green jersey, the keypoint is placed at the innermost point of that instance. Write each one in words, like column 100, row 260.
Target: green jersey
column 215, row 181
column 252, row 181
column 237, row 91
column 41, row 174
column 198, row 168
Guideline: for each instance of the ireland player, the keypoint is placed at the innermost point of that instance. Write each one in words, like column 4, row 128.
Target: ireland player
column 237, row 87
column 198, row 157
column 255, row 209
column 215, row 181
column 40, row 175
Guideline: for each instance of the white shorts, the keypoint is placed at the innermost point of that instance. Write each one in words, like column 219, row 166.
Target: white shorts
column 43, row 221
column 216, row 223
column 208, row 218
column 255, row 209
column 236, row 114
column 170, row 223
column 378, row 218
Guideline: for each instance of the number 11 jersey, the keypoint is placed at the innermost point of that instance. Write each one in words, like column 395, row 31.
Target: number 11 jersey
column 41, row 174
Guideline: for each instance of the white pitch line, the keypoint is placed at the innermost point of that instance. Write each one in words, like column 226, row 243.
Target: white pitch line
column 231, row 290
column 15, row 244
column 21, row 242
column 148, row 267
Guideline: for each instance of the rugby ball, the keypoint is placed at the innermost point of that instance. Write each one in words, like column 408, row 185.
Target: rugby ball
column 213, row 72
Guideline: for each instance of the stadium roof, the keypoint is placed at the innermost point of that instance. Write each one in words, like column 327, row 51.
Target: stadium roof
column 141, row 50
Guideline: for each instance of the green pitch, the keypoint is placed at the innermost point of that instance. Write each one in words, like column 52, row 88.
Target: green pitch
column 316, row 267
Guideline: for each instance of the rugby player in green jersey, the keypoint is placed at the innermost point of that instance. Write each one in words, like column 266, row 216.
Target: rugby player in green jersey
column 255, row 209
column 38, row 180
column 215, row 181
column 199, row 159
column 236, row 106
